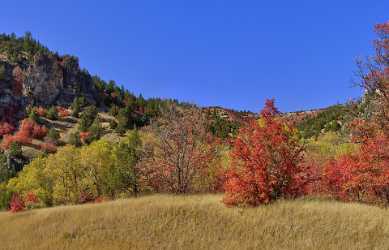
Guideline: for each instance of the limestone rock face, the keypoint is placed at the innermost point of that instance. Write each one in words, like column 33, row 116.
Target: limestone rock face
column 45, row 79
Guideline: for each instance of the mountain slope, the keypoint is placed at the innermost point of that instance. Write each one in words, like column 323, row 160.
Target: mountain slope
column 198, row 222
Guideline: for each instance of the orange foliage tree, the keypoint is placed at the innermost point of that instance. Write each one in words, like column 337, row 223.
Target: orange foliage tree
column 266, row 162
column 16, row 204
column 6, row 128
column 28, row 129
column 363, row 176
column 374, row 76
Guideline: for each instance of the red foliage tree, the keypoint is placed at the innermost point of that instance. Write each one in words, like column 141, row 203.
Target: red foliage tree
column 48, row 147
column 40, row 111
column 63, row 112
column 6, row 128
column 375, row 77
column 16, row 204
column 31, row 129
column 28, row 129
column 19, row 138
column 84, row 136
column 363, row 176
column 266, row 162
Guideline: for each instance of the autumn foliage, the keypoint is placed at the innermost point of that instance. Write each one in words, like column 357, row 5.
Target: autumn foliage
column 266, row 162
column 6, row 128
column 363, row 176
column 184, row 153
column 48, row 147
column 16, row 204
column 28, row 130
column 63, row 112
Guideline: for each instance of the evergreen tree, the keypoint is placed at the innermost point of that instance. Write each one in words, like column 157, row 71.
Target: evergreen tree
column 87, row 118
column 52, row 113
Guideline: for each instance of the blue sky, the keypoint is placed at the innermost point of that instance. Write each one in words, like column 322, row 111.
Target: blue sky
column 212, row 52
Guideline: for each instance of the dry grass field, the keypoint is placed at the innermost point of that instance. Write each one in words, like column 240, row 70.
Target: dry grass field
column 197, row 222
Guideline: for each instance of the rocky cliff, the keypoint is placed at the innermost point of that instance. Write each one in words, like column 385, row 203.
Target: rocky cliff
column 42, row 79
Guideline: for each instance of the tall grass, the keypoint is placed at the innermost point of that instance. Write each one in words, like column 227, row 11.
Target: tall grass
column 197, row 222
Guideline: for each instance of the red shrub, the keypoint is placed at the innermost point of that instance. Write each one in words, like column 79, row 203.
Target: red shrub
column 63, row 112
column 16, row 204
column 31, row 200
column 39, row 132
column 84, row 135
column 31, row 129
column 8, row 139
column 266, row 162
column 363, row 176
column 6, row 128
column 40, row 111
column 28, row 129
column 99, row 199
column 86, row 197
column 48, row 147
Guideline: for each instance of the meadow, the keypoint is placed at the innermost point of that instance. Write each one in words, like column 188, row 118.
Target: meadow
column 198, row 222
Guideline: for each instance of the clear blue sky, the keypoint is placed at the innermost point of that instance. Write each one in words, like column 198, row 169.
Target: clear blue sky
column 211, row 52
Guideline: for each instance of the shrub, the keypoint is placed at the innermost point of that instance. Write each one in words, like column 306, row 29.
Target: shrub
column 63, row 112
column 114, row 110
column 6, row 128
column 113, row 124
column 96, row 131
column 5, row 197
column 53, row 135
column 362, row 176
column 75, row 140
column 52, row 113
column 6, row 172
column 30, row 129
column 184, row 151
column 125, row 120
column 31, row 201
column 84, row 136
column 40, row 111
column 76, row 106
column 16, row 204
column 87, row 118
column 266, row 162
column 48, row 147
column 19, row 139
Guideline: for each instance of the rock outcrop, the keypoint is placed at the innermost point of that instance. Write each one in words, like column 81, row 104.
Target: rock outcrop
column 45, row 79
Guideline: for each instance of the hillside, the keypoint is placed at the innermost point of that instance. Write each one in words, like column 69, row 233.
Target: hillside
column 198, row 222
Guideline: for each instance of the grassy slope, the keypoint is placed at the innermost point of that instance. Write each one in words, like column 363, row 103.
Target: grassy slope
column 197, row 222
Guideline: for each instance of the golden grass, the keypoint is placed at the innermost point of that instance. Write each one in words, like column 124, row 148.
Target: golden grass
column 197, row 222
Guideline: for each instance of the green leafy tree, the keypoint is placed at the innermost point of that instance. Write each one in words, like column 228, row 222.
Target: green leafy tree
column 33, row 116
column 5, row 196
column 5, row 171
column 127, row 155
column 77, row 105
column 74, row 139
column 96, row 131
column 52, row 113
column 53, row 135
column 15, row 150
column 125, row 120
column 87, row 118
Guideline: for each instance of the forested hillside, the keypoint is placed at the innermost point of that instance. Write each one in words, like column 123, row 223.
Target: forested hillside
column 68, row 137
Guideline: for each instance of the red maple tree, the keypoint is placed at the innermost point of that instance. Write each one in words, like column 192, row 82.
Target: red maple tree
column 362, row 176
column 266, row 162
column 16, row 204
